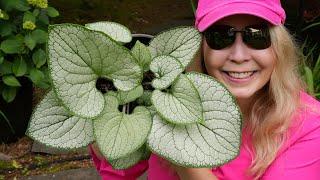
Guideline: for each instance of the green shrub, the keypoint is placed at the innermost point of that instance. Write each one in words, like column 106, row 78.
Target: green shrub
column 310, row 67
column 23, row 35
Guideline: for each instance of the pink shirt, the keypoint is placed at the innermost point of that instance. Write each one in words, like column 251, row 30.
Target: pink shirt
column 298, row 158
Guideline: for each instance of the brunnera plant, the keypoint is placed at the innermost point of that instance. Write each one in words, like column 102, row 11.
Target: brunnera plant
column 132, row 102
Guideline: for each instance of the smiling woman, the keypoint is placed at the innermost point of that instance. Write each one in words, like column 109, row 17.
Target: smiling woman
column 263, row 77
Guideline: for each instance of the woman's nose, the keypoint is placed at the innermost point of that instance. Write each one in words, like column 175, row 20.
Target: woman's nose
column 239, row 52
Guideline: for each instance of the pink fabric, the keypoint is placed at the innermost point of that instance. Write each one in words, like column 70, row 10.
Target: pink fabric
column 108, row 173
column 210, row 11
column 298, row 158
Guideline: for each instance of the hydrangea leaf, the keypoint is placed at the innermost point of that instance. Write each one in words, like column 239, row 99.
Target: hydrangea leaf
column 116, row 31
column 126, row 162
column 181, row 104
column 211, row 143
column 166, row 69
column 53, row 125
column 181, row 43
column 78, row 57
column 119, row 134
column 127, row 96
column 142, row 54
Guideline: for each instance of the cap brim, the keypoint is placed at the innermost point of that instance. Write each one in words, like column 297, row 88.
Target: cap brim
column 238, row 8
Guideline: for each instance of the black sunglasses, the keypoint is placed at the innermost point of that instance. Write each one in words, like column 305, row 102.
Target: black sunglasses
column 221, row 36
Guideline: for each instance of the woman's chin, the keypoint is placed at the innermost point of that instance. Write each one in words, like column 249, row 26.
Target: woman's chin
column 242, row 94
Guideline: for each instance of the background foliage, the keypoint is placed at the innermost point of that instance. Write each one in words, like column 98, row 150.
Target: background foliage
column 303, row 19
column 23, row 35
column 23, row 31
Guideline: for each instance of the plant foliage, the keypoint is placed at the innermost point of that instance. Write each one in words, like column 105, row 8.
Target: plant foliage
column 23, row 34
column 101, row 92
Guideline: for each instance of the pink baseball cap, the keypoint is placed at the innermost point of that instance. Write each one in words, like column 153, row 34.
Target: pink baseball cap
column 210, row 11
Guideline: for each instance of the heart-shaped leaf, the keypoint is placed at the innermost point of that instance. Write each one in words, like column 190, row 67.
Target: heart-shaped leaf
column 181, row 104
column 78, row 57
column 53, row 125
column 208, row 144
column 116, row 31
column 166, row 69
column 132, row 159
column 127, row 96
column 181, row 43
column 119, row 134
column 142, row 55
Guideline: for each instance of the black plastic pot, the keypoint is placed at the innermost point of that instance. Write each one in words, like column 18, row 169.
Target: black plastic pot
column 143, row 38
column 18, row 113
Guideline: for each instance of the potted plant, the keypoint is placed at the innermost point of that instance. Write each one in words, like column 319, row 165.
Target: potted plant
column 128, row 100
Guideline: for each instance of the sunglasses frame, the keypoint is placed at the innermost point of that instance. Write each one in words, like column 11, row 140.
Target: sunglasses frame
column 246, row 34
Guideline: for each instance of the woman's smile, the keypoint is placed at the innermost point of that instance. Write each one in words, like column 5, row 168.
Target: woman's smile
column 239, row 77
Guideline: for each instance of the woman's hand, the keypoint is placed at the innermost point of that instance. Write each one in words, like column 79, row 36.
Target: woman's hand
column 195, row 173
column 97, row 152
column 192, row 173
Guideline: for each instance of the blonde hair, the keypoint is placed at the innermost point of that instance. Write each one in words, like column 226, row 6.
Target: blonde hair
column 272, row 112
column 275, row 103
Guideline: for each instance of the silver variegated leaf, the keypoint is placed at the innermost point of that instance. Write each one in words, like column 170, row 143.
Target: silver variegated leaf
column 78, row 57
column 118, row 134
column 181, row 43
column 166, row 69
column 116, row 31
column 211, row 143
column 127, row 96
column 53, row 125
column 181, row 104
column 126, row 162
column 142, row 55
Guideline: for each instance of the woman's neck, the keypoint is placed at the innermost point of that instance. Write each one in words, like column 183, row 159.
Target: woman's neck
column 245, row 105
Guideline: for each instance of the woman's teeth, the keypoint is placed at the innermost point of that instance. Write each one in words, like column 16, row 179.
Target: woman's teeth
column 240, row 75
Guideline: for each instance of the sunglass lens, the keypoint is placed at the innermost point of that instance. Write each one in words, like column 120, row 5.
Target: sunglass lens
column 219, row 37
column 257, row 37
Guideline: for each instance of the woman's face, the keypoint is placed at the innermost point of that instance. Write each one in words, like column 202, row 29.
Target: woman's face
column 241, row 69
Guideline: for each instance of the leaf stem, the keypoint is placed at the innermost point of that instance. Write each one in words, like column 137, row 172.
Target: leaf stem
column 124, row 108
column 128, row 108
column 193, row 7
column 8, row 122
